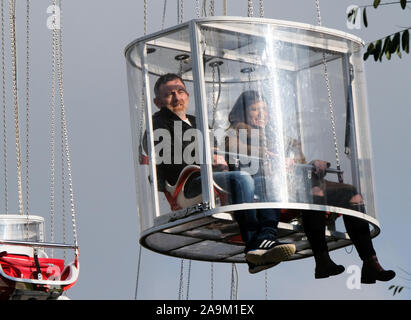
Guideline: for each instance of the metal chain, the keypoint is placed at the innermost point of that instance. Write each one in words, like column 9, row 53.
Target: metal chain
column 211, row 12
column 188, row 279
column 16, row 107
column 52, row 138
column 213, row 97
column 63, row 173
column 212, row 281
column 163, row 19
column 65, row 132
column 180, row 287
column 145, row 17
column 261, row 2
column 180, row 11
column 198, row 9
column 234, row 282
column 330, row 102
column 250, row 8
column 3, row 70
column 27, row 104
column 317, row 5
column 138, row 273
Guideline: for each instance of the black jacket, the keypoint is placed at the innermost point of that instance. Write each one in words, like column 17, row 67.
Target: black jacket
column 166, row 119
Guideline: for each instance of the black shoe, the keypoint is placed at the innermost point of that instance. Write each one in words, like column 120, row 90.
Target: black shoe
column 325, row 267
column 372, row 271
column 270, row 251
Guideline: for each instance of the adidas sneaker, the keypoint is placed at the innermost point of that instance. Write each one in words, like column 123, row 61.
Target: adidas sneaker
column 270, row 251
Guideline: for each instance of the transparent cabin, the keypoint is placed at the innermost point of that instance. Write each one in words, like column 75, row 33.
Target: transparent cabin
column 311, row 105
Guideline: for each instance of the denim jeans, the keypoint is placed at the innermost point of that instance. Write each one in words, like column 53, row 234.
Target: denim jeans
column 255, row 225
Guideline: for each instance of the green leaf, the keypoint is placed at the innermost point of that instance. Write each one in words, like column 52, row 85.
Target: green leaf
column 376, row 3
column 395, row 43
column 386, row 47
column 364, row 17
column 403, row 3
column 399, row 51
column 395, row 290
column 406, row 41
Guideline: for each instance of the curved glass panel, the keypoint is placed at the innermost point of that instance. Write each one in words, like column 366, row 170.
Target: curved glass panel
column 21, row 228
column 277, row 102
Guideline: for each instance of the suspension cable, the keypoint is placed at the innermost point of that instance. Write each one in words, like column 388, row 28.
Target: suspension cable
column 188, row 279
column 16, row 107
column 27, row 104
column 3, row 71
column 330, row 101
column 180, row 287
column 52, row 138
column 138, row 273
column 212, row 280
column 164, row 15
column 234, row 282
column 261, row 7
column 65, row 132
column 250, row 12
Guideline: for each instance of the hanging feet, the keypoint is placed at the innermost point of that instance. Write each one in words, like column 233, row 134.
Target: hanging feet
column 269, row 252
column 325, row 267
column 372, row 271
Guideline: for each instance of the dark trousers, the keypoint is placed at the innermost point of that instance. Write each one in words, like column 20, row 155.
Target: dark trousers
column 338, row 194
column 255, row 225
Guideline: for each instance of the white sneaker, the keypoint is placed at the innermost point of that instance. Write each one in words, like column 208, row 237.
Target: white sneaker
column 269, row 252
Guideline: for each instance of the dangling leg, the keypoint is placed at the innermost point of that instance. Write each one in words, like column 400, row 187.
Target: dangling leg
column 241, row 187
column 314, row 228
column 360, row 235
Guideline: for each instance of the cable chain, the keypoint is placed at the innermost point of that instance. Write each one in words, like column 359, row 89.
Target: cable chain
column 180, row 287
column 197, row 8
column 250, row 8
column 211, row 13
column 212, row 281
column 65, row 131
column 188, row 279
column 52, row 138
column 330, row 102
column 181, row 13
column 145, row 17
column 27, row 104
column 163, row 19
column 16, row 108
column 261, row 8
column 63, row 173
column 6, row 200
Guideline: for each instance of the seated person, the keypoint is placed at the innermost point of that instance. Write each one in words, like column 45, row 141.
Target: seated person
column 258, row 232
column 250, row 112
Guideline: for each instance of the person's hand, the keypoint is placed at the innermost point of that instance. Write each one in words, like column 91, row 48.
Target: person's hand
column 219, row 163
column 319, row 167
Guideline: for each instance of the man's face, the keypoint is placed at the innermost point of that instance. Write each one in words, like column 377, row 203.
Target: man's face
column 174, row 96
